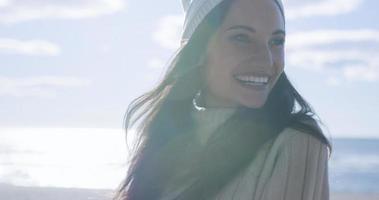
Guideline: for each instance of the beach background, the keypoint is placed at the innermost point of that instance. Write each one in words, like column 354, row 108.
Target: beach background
column 81, row 164
column 69, row 69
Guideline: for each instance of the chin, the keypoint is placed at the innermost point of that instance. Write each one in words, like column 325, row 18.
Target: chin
column 254, row 105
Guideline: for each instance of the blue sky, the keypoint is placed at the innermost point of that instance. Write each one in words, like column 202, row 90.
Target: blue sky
column 78, row 64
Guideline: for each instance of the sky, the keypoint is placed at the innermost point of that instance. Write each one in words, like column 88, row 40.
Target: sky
column 78, row 64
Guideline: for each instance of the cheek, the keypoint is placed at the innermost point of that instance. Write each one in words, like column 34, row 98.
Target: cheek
column 279, row 60
column 221, row 64
column 219, row 72
column 279, row 63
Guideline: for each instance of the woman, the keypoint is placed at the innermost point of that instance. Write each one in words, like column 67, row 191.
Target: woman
column 223, row 123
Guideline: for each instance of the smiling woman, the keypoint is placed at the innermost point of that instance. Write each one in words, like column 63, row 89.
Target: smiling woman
column 246, row 57
column 223, row 122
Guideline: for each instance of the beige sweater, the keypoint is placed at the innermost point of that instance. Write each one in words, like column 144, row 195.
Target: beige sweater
column 294, row 166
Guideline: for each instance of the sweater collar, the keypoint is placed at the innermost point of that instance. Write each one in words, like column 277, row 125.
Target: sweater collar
column 207, row 119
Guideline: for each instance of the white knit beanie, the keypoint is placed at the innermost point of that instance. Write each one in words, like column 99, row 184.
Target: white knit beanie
column 195, row 12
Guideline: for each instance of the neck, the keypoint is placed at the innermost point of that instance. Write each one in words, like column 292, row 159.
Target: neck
column 211, row 101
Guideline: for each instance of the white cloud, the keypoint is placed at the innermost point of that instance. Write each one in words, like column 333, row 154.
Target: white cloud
column 343, row 61
column 168, row 32
column 326, row 37
column 29, row 47
column 38, row 86
column 156, row 63
column 320, row 59
column 13, row 11
column 333, row 81
column 4, row 3
column 361, row 73
column 167, row 35
column 353, row 63
column 319, row 8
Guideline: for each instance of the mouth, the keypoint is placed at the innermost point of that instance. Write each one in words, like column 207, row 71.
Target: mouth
column 257, row 81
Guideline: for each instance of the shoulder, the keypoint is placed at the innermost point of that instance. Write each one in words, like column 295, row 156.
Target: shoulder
column 295, row 162
column 296, row 167
column 295, row 146
column 300, row 143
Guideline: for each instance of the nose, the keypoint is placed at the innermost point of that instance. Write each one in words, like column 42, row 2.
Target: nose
column 261, row 58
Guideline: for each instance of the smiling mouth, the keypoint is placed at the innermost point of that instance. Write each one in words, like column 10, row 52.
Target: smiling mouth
column 257, row 81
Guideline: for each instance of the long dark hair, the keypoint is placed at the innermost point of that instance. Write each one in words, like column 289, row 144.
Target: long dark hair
column 163, row 127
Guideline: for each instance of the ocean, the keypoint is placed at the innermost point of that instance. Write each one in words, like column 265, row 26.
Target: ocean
column 96, row 159
column 354, row 166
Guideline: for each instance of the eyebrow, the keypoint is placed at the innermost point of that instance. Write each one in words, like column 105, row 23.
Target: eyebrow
column 247, row 28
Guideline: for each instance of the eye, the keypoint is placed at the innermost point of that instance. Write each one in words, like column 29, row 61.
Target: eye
column 241, row 38
column 277, row 42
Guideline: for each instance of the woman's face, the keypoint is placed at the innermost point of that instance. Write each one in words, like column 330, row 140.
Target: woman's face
column 245, row 57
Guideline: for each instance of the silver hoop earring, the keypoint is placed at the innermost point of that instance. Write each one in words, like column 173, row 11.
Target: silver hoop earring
column 195, row 101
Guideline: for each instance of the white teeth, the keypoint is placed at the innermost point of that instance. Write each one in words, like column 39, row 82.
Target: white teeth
column 255, row 79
